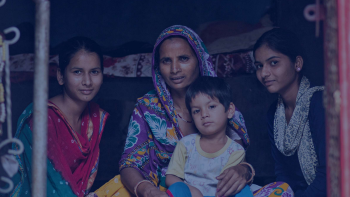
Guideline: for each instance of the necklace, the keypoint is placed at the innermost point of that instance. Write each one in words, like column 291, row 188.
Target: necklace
column 188, row 121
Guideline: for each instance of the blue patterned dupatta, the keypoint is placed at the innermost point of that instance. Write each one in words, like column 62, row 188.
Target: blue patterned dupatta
column 72, row 158
column 56, row 185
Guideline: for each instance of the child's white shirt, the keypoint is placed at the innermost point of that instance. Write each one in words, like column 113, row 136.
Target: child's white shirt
column 200, row 169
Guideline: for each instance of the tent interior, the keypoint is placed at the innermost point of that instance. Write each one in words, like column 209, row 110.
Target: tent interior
column 127, row 31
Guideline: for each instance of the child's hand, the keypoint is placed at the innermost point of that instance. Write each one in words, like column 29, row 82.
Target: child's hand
column 231, row 181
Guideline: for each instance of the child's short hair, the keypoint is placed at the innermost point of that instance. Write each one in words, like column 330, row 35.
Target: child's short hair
column 212, row 86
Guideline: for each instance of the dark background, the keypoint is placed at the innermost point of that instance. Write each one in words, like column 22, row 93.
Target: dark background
column 113, row 23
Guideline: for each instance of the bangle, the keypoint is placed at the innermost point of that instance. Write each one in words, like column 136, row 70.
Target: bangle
column 135, row 188
column 252, row 172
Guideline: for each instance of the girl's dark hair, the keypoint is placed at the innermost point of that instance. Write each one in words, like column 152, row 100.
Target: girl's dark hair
column 75, row 44
column 212, row 86
column 282, row 41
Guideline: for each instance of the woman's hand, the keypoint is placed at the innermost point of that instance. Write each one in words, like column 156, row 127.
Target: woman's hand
column 232, row 180
column 146, row 189
column 131, row 177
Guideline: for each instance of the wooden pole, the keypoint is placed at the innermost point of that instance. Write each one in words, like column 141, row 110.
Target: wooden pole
column 39, row 158
column 337, row 100
column 331, row 99
column 344, row 81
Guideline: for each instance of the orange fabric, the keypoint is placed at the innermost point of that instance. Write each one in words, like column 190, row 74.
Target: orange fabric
column 114, row 187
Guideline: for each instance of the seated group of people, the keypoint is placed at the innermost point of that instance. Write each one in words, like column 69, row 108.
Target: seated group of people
column 185, row 137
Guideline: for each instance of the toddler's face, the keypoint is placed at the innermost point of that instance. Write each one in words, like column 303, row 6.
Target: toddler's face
column 209, row 115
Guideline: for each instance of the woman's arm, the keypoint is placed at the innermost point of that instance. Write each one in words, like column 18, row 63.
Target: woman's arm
column 232, row 180
column 136, row 146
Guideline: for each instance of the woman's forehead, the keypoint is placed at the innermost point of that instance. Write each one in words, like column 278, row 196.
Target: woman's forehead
column 175, row 44
column 83, row 59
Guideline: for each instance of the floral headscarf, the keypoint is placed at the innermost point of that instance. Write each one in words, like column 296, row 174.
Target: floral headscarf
column 206, row 69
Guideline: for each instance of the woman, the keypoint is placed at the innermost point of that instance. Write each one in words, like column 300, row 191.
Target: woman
column 296, row 121
column 160, row 119
column 75, row 125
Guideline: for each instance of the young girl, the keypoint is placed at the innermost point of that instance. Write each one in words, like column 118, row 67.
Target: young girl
column 75, row 125
column 296, row 121
column 200, row 159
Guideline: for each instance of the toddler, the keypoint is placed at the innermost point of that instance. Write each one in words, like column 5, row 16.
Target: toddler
column 200, row 158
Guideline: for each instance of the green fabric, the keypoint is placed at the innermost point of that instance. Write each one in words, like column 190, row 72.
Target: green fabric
column 56, row 185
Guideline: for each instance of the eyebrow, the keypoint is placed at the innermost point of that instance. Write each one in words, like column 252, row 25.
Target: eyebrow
column 83, row 69
column 267, row 59
column 176, row 56
column 271, row 58
column 162, row 58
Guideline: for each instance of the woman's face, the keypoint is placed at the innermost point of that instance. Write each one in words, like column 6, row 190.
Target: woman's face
column 82, row 77
column 275, row 70
column 178, row 63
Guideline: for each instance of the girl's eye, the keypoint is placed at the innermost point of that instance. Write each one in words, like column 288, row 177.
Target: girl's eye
column 184, row 58
column 258, row 66
column 195, row 111
column 274, row 63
